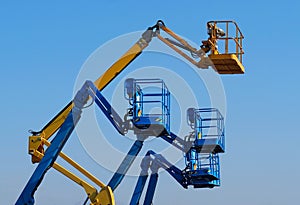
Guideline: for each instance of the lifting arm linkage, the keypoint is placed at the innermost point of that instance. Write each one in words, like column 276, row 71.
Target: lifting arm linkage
column 161, row 162
column 108, row 110
column 176, row 142
column 204, row 61
column 158, row 161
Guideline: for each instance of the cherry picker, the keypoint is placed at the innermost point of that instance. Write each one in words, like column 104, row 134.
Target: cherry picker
column 62, row 125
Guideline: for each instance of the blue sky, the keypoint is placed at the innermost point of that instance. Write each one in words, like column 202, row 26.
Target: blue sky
column 44, row 45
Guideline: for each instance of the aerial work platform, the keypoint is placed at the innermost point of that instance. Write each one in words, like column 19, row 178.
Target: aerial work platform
column 150, row 102
column 203, row 171
column 225, row 44
column 208, row 126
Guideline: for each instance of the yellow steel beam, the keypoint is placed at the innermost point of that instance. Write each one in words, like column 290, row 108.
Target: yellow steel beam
column 90, row 190
column 178, row 38
column 176, row 49
column 77, row 166
column 204, row 60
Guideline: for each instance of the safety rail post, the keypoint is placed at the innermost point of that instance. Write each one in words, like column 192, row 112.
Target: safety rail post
column 226, row 41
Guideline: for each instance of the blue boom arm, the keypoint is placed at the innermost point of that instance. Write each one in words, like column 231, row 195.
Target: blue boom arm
column 158, row 161
column 176, row 141
column 108, row 111
column 125, row 165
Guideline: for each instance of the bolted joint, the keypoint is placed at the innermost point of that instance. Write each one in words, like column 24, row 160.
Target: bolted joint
column 35, row 144
column 82, row 95
column 147, row 35
column 204, row 63
column 155, row 166
column 145, row 164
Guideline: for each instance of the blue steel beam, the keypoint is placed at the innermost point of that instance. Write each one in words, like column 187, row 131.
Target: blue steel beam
column 125, row 165
column 106, row 108
column 176, row 141
column 139, row 189
column 145, row 164
column 151, row 189
column 109, row 112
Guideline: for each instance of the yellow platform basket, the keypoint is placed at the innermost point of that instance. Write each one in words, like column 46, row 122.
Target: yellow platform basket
column 226, row 64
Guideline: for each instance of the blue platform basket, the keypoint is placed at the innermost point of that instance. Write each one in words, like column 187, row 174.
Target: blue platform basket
column 208, row 126
column 202, row 171
column 150, row 106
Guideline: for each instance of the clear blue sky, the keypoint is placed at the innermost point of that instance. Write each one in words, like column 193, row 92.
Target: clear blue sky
column 44, row 44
